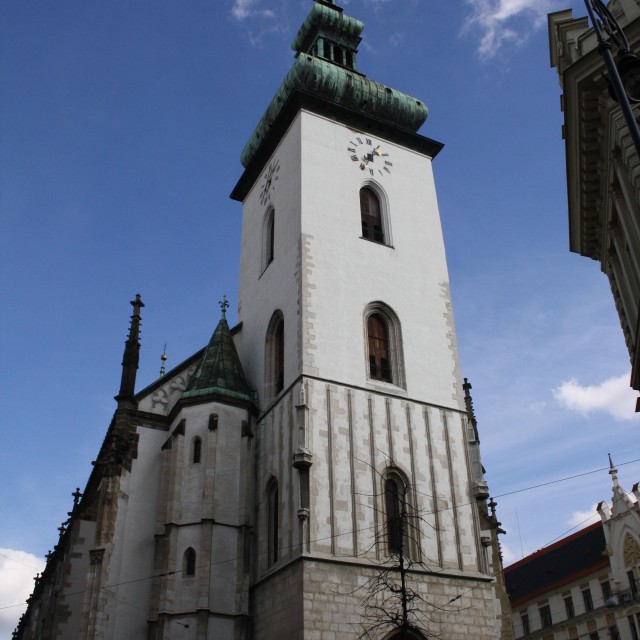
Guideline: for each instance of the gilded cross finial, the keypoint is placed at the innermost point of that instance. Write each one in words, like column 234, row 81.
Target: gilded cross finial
column 224, row 305
column 163, row 358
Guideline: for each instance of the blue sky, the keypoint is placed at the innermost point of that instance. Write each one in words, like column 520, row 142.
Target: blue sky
column 122, row 125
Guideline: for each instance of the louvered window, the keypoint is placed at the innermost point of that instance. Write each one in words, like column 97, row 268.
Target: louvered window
column 379, row 355
column 371, row 215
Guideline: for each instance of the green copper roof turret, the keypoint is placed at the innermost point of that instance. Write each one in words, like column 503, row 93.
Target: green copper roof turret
column 219, row 371
column 328, row 21
column 326, row 68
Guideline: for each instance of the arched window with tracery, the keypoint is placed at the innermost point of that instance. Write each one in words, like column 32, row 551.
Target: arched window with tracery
column 274, row 356
column 273, row 522
column 189, row 562
column 371, row 215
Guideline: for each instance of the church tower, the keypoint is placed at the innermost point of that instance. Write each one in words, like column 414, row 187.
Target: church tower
column 313, row 473
column 347, row 335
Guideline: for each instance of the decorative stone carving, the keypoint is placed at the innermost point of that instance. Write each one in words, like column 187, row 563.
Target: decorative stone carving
column 179, row 383
column 630, row 551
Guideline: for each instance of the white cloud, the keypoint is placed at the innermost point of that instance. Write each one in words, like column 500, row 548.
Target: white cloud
column 613, row 396
column 243, row 9
column 504, row 21
column 17, row 570
column 582, row 519
column 508, row 555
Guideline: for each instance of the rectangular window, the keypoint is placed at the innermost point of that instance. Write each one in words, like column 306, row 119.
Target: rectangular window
column 568, row 605
column 632, row 583
column 614, row 633
column 606, row 590
column 594, row 636
column 633, row 628
column 545, row 616
column 588, row 600
column 526, row 628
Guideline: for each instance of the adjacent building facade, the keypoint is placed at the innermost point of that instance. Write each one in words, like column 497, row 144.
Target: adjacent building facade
column 258, row 489
column 587, row 585
column 603, row 168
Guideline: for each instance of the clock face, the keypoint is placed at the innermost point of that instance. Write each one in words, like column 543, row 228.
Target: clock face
column 370, row 156
column 268, row 181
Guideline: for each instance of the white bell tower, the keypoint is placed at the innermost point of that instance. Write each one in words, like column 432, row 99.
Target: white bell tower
column 347, row 334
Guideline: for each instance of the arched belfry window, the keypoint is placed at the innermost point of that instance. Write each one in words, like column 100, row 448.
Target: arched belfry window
column 274, row 356
column 371, row 215
column 196, row 454
column 383, row 345
column 268, row 238
column 273, row 522
column 189, row 562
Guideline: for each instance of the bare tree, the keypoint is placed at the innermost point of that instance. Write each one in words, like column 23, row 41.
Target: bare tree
column 391, row 604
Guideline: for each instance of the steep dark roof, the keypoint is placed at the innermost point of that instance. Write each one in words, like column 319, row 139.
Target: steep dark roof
column 561, row 563
column 219, row 371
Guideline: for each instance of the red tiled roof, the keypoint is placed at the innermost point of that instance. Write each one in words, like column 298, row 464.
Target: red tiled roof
column 563, row 562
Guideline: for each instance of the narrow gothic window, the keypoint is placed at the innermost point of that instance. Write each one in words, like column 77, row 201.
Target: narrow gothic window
column 633, row 585
column 272, row 523
column 279, row 356
column 189, row 562
column 371, row 215
column 197, row 450
column 395, row 515
column 268, row 238
column 379, row 353
column 274, row 356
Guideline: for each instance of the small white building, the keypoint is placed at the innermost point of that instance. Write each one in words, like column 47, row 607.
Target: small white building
column 587, row 585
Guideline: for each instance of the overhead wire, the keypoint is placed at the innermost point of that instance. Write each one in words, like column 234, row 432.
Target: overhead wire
column 338, row 535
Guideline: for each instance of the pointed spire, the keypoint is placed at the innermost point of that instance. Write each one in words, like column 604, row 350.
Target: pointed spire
column 613, row 472
column 468, row 402
column 219, row 371
column 131, row 355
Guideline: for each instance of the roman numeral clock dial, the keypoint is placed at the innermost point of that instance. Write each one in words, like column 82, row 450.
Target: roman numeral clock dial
column 369, row 156
column 268, row 181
